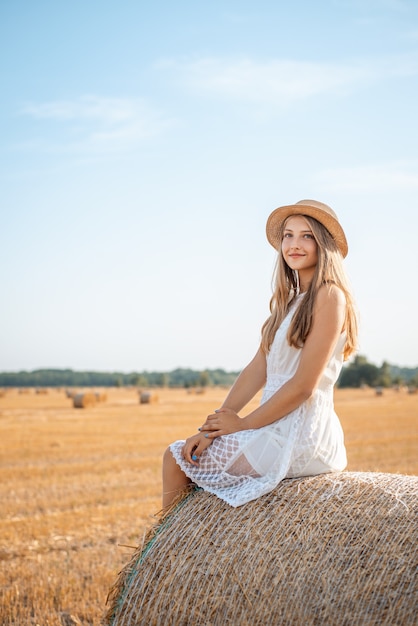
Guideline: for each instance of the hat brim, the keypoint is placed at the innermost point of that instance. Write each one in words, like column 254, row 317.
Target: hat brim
column 327, row 220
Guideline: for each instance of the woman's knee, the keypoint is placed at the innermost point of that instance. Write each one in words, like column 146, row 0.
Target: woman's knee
column 168, row 456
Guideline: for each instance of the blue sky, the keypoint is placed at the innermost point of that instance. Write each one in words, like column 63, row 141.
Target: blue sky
column 144, row 145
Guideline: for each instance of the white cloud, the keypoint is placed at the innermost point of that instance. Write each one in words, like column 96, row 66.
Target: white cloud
column 411, row 35
column 375, row 5
column 275, row 81
column 107, row 110
column 401, row 176
column 281, row 81
column 92, row 122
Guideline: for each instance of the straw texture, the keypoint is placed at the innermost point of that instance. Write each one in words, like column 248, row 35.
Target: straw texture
column 336, row 549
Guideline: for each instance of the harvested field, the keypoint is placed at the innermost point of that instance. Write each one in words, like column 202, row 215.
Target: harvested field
column 77, row 486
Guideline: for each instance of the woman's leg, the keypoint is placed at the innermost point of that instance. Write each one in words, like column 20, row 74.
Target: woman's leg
column 174, row 479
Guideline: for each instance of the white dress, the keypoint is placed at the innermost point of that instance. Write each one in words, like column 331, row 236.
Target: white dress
column 247, row 464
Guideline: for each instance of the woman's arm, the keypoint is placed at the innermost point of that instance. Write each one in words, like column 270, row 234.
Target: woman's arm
column 248, row 383
column 328, row 321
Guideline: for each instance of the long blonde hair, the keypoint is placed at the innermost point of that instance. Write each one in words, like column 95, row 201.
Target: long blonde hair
column 329, row 271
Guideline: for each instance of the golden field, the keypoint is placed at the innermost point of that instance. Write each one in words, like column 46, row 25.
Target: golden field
column 80, row 486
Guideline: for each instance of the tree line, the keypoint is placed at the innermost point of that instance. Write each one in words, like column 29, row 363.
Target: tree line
column 357, row 373
column 360, row 372
column 69, row 378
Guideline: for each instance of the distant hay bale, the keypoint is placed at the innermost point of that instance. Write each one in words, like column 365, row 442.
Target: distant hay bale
column 84, row 400
column 101, row 396
column 70, row 393
column 41, row 391
column 147, row 397
column 325, row 550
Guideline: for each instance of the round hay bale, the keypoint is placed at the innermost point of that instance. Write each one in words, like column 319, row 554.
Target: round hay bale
column 335, row 549
column 84, row 400
column 146, row 397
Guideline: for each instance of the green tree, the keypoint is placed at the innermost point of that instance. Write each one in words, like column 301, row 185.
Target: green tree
column 384, row 378
column 359, row 372
column 204, row 379
column 161, row 379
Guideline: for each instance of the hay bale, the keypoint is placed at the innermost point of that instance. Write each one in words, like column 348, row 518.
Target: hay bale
column 330, row 549
column 197, row 390
column 146, row 397
column 84, row 400
column 101, row 396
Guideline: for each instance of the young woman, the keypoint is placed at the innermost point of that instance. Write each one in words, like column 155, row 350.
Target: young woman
column 312, row 328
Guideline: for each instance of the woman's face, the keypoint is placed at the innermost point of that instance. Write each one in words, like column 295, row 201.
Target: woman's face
column 299, row 248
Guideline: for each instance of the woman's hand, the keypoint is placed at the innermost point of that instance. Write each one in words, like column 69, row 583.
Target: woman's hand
column 222, row 422
column 193, row 448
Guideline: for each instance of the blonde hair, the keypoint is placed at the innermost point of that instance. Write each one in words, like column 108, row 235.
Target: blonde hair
column 329, row 271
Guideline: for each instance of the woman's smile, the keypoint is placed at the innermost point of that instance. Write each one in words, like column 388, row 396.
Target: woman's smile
column 299, row 248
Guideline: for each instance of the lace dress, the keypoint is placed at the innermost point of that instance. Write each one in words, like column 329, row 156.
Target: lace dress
column 247, row 464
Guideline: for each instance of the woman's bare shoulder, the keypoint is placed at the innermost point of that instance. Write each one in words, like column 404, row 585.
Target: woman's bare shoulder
column 330, row 294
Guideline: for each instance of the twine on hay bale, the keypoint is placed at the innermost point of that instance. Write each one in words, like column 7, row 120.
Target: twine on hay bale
column 84, row 400
column 322, row 550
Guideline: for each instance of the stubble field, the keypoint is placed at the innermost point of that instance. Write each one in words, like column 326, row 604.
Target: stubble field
column 80, row 486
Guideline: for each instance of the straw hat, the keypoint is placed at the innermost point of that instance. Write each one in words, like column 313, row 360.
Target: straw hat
column 320, row 211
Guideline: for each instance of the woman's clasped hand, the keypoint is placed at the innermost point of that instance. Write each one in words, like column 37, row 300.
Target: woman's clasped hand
column 221, row 422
